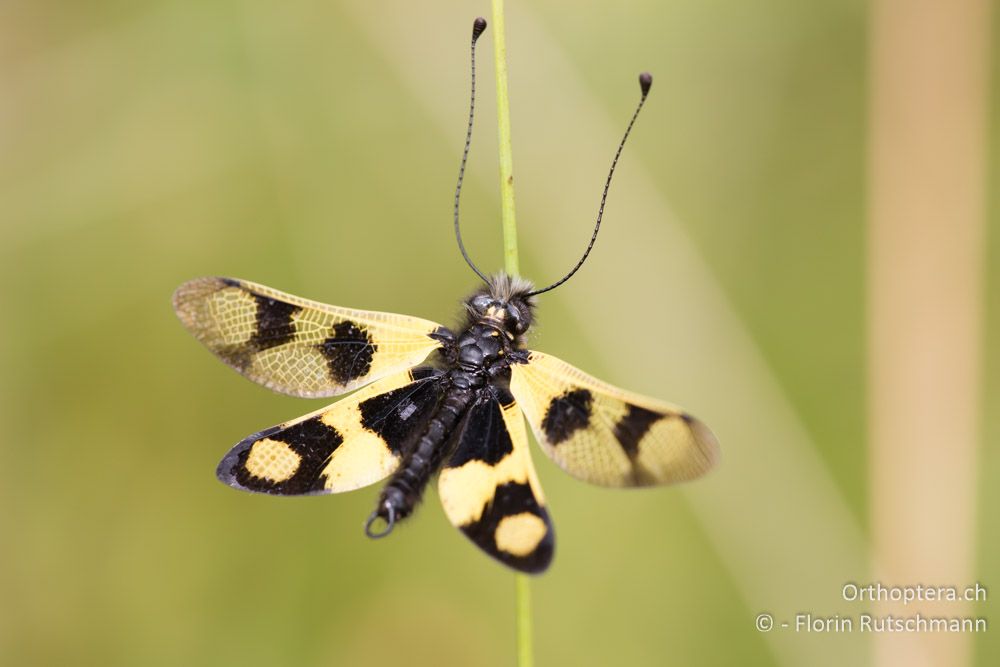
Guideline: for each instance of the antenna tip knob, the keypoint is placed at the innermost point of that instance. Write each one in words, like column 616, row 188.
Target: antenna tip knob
column 645, row 82
column 478, row 26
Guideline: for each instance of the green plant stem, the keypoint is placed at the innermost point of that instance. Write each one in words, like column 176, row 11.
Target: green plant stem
column 522, row 610
column 503, row 132
column 525, row 657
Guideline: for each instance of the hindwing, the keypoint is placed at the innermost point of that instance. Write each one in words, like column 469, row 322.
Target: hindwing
column 355, row 442
column 489, row 489
column 296, row 346
column 605, row 435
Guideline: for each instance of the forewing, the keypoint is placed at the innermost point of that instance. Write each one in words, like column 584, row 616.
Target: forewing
column 605, row 435
column 489, row 489
column 353, row 443
column 296, row 346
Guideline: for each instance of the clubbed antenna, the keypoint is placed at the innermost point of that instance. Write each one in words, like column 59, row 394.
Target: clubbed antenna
column 645, row 82
column 478, row 26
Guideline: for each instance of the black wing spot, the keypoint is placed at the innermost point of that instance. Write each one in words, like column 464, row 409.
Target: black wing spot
column 349, row 352
column 312, row 439
column 633, row 426
column 482, row 435
column 566, row 415
column 398, row 416
column 511, row 499
column 274, row 323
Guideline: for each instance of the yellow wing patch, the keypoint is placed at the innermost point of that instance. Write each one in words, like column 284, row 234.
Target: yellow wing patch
column 489, row 489
column 350, row 444
column 520, row 534
column 605, row 435
column 296, row 346
column 272, row 460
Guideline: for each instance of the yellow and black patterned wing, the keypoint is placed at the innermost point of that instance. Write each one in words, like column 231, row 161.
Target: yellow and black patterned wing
column 355, row 442
column 296, row 346
column 607, row 436
column 489, row 489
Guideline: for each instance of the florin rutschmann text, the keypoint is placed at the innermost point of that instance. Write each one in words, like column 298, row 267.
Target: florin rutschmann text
column 877, row 593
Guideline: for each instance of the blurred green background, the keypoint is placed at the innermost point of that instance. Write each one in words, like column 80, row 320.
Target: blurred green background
column 312, row 146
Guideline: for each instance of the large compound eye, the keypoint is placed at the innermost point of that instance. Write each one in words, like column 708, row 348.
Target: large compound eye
column 513, row 315
column 480, row 302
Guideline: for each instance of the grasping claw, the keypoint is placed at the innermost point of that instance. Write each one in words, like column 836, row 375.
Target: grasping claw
column 389, row 517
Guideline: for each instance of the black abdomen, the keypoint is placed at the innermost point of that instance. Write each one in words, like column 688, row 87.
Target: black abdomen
column 405, row 488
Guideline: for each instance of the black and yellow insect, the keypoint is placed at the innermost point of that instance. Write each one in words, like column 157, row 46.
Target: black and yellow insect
column 460, row 417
